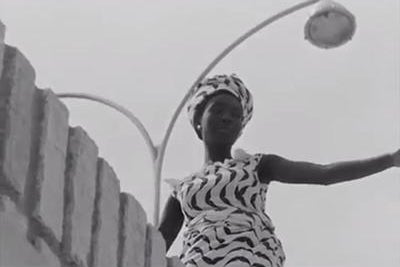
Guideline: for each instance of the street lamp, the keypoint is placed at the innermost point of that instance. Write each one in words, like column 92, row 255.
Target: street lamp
column 330, row 25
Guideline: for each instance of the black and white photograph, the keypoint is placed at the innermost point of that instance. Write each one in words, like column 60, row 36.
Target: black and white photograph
column 199, row 133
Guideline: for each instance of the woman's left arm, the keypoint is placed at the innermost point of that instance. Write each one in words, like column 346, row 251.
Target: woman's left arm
column 276, row 168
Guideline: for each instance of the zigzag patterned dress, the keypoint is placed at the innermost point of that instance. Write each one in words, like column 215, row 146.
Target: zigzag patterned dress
column 223, row 205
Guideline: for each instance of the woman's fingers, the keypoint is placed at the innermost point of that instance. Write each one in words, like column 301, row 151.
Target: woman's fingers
column 396, row 158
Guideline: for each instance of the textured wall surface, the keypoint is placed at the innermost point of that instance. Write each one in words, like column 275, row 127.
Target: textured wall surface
column 61, row 205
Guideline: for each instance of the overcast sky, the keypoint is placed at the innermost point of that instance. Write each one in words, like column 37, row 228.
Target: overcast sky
column 310, row 104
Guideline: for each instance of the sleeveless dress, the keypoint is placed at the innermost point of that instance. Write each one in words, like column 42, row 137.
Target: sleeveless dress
column 223, row 205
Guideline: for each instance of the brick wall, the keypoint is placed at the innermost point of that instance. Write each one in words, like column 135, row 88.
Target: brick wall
column 60, row 204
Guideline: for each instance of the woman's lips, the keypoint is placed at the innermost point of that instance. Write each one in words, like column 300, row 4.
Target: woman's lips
column 224, row 129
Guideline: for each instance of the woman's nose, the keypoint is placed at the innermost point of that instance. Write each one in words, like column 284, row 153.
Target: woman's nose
column 226, row 117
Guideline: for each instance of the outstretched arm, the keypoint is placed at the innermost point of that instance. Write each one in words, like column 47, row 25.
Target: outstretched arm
column 171, row 221
column 276, row 168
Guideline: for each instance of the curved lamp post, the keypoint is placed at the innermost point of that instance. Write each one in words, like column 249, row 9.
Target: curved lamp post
column 330, row 25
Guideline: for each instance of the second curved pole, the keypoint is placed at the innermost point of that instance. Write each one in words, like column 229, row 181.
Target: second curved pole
column 223, row 54
column 152, row 148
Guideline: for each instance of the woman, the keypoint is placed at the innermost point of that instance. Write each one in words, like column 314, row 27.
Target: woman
column 222, row 204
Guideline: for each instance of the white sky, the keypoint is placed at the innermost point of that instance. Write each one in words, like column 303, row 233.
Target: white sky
column 310, row 104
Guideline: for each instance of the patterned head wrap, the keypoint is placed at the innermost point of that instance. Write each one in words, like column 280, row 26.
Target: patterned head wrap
column 230, row 83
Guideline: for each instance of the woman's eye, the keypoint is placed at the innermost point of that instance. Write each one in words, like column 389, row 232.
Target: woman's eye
column 236, row 115
column 217, row 110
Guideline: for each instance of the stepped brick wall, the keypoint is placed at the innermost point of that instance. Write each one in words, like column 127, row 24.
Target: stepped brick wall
column 60, row 204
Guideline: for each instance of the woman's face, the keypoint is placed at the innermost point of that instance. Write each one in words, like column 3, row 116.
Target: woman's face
column 221, row 121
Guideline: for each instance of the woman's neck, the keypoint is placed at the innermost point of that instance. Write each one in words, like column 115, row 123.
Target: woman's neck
column 216, row 153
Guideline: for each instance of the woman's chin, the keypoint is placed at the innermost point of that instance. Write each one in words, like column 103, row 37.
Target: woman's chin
column 223, row 138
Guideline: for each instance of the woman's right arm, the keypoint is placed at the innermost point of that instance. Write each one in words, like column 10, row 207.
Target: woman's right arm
column 171, row 221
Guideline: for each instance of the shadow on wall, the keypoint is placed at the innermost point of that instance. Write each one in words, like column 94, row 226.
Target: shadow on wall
column 60, row 204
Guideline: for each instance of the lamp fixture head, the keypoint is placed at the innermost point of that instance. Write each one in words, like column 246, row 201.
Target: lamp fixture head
column 330, row 25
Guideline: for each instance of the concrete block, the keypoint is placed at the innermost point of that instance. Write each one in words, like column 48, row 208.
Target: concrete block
column 155, row 248
column 2, row 31
column 132, row 232
column 15, row 249
column 17, row 92
column 105, row 218
column 80, row 188
column 47, row 188
column 2, row 34
column 174, row 262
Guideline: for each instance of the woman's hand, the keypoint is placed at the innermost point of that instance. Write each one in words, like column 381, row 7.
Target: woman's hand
column 396, row 158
